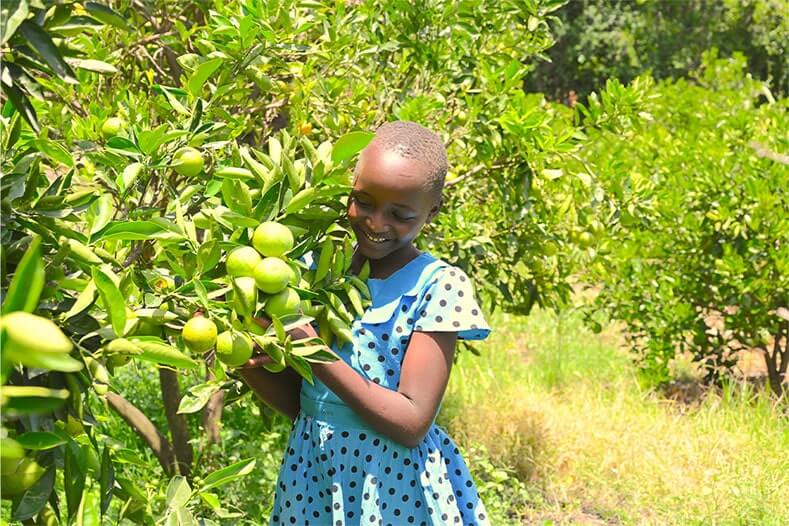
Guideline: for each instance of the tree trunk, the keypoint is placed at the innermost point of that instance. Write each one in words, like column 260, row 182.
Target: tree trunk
column 777, row 361
column 145, row 429
column 212, row 414
column 171, row 396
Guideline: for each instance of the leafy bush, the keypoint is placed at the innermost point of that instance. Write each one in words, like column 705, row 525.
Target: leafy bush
column 109, row 234
column 698, row 245
column 597, row 40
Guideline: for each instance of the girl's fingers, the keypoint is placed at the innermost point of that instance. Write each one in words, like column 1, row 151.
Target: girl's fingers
column 263, row 322
column 257, row 361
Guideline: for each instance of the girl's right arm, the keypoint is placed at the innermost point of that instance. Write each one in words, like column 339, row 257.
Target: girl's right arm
column 279, row 390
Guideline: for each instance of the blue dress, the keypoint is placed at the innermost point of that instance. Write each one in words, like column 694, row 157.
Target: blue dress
column 337, row 470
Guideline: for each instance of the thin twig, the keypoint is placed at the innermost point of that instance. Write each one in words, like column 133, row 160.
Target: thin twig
column 474, row 171
column 762, row 151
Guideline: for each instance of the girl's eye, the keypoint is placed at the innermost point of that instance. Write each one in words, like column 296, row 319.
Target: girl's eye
column 400, row 217
column 361, row 203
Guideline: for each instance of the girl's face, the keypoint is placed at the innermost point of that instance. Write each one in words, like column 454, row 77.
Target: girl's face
column 389, row 203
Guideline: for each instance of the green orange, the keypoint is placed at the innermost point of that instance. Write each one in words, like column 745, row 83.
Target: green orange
column 188, row 161
column 234, row 348
column 242, row 262
column 112, row 127
column 283, row 303
column 272, row 239
column 272, row 275
column 199, row 334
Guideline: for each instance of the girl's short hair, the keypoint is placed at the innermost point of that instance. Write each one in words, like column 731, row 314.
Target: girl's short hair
column 413, row 141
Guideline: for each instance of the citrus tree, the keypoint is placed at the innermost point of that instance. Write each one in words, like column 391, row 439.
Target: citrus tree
column 695, row 256
column 195, row 176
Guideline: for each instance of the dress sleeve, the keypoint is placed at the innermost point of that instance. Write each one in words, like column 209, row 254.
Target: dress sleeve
column 449, row 306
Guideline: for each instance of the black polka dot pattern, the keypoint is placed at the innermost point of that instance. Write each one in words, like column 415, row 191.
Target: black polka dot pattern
column 386, row 483
column 335, row 474
column 449, row 306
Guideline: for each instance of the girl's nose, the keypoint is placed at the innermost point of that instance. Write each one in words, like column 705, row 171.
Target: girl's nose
column 375, row 222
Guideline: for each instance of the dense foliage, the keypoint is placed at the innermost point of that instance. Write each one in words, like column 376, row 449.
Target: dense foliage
column 602, row 39
column 126, row 184
column 695, row 259
column 143, row 141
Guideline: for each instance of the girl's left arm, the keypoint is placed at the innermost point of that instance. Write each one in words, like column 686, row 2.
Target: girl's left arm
column 404, row 415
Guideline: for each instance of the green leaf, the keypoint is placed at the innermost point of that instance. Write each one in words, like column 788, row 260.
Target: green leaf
column 42, row 43
column 150, row 140
column 55, row 151
column 123, row 145
column 228, row 474
column 202, row 294
column 208, row 255
column 299, row 365
column 157, row 351
column 235, row 195
column 22, row 105
column 201, row 74
column 197, row 396
column 28, row 281
column 36, row 497
column 350, row 144
column 73, row 478
column 301, row 200
column 88, row 512
column 178, row 492
column 39, row 440
column 84, row 300
column 174, row 102
column 12, row 13
column 111, row 296
column 106, row 479
column 97, row 66
column 100, row 213
column 129, row 176
column 136, row 230
column 31, row 399
column 106, row 15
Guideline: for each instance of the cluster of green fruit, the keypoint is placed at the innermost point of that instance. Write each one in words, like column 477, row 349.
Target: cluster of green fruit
column 262, row 267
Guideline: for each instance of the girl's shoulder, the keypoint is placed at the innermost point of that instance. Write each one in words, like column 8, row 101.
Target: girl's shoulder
column 440, row 297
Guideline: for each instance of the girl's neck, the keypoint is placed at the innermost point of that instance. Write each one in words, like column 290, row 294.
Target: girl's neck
column 388, row 265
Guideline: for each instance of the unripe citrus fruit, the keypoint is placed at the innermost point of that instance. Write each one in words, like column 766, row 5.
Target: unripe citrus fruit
column 242, row 262
column 272, row 275
column 245, row 295
column 199, row 334
column 272, row 239
column 585, row 239
column 295, row 279
column 283, row 303
column 234, row 348
column 112, row 126
column 188, row 161
column 26, row 473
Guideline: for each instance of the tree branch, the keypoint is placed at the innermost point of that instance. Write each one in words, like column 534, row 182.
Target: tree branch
column 179, row 430
column 212, row 414
column 145, row 429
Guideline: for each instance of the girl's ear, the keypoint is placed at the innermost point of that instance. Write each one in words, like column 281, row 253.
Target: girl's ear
column 434, row 211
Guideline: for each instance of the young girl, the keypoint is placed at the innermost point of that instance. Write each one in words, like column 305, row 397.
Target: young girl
column 364, row 448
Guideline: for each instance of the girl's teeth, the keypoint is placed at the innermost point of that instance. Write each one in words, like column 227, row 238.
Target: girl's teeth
column 375, row 239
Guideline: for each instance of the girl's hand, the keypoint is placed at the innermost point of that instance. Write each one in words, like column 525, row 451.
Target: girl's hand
column 299, row 333
column 256, row 361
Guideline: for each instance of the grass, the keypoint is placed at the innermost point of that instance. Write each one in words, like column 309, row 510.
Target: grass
column 559, row 413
